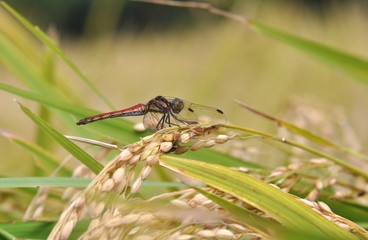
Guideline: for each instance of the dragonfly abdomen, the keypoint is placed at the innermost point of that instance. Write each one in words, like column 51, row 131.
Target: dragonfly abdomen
column 137, row 110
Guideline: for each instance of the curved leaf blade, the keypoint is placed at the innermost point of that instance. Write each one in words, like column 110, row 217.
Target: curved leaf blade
column 287, row 210
column 35, row 182
column 347, row 63
column 39, row 230
column 251, row 220
column 350, row 64
column 48, row 160
column 72, row 148
column 52, row 45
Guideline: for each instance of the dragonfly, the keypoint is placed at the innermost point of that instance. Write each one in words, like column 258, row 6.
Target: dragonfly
column 162, row 112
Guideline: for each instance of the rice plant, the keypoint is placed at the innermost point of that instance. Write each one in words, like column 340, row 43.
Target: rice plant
column 198, row 181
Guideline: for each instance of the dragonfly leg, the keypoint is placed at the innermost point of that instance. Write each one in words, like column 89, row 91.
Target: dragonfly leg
column 160, row 123
column 167, row 120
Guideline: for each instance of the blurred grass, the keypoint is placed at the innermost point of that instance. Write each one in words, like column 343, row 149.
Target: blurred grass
column 214, row 64
column 207, row 64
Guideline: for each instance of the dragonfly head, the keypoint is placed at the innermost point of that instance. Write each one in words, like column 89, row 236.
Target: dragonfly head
column 177, row 105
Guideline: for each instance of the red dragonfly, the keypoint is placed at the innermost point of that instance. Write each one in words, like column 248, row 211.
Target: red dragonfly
column 161, row 112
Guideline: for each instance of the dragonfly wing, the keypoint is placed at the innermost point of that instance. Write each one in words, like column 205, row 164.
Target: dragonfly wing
column 151, row 119
column 202, row 114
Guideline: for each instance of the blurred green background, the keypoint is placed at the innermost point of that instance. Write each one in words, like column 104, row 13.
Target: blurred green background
column 135, row 51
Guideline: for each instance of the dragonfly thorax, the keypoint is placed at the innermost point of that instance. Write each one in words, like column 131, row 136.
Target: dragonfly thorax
column 177, row 105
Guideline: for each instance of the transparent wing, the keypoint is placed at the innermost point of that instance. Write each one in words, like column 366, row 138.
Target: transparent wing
column 150, row 120
column 196, row 113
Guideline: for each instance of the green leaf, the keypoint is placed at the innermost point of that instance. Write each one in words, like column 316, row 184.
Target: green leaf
column 21, row 66
column 47, row 160
column 112, row 129
column 347, row 63
column 212, row 156
column 258, row 224
column 33, row 182
column 47, row 100
column 350, row 210
column 6, row 235
column 287, row 210
column 72, row 148
column 39, row 230
column 52, row 45
column 262, row 226
column 48, row 71
column 63, row 182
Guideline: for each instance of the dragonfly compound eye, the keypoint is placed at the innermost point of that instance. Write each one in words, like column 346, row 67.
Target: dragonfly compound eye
column 177, row 105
